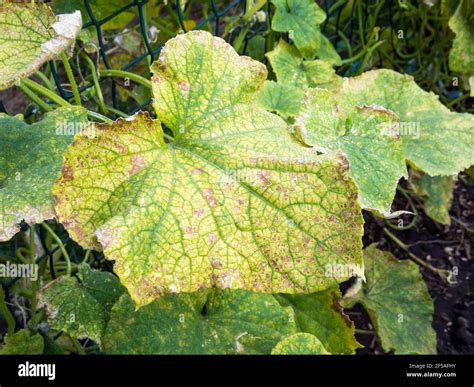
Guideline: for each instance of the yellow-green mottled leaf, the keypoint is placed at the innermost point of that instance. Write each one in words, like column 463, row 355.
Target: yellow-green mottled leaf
column 280, row 98
column 301, row 19
column 366, row 134
column 461, row 56
column 231, row 202
column 30, row 162
column 30, row 35
column 320, row 314
column 437, row 193
column 399, row 305
column 300, row 344
column 435, row 140
column 81, row 305
column 21, row 343
column 204, row 322
column 291, row 68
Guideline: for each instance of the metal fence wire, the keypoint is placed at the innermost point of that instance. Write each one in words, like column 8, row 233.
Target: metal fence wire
column 218, row 12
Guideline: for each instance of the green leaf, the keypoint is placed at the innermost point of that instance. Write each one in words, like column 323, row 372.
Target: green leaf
column 21, row 343
column 321, row 315
column 300, row 18
column 437, row 193
column 398, row 303
column 232, row 202
column 31, row 35
column 30, row 163
column 291, row 68
column 205, row 322
column 81, row 305
column 434, row 139
column 365, row 135
column 283, row 99
column 300, row 344
column 461, row 55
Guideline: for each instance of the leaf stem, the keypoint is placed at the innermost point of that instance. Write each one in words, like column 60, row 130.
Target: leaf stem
column 34, row 284
column 447, row 275
column 71, row 78
column 6, row 313
column 61, row 246
column 95, row 80
column 125, row 74
column 37, row 100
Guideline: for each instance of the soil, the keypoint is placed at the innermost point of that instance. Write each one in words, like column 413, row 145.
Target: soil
column 443, row 247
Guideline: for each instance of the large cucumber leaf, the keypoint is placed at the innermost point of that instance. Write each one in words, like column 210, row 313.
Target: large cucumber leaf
column 433, row 139
column 231, row 202
column 204, row 322
column 30, row 162
column 398, row 303
column 30, row 35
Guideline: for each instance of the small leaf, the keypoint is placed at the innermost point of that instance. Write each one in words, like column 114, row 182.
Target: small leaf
column 437, row 193
column 291, row 68
column 21, row 343
column 30, row 36
column 300, row 344
column 398, row 303
column 81, row 305
column 232, row 202
column 433, row 139
column 280, row 98
column 321, row 315
column 205, row 322
column 301, row 19
column 365, row 135
column 30, row 162
column 461, row 55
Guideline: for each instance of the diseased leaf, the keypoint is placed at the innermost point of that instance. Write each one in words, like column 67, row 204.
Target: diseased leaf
column 300, row 344
column 434, row 139
column 300, row 18
column 31, row 35
column 321, row 315
column 205, row 322
column 25, row 186
column 291, row 68
column 280, row 98
column 366, row 134
column 461, row 55
column 398, row 303
column 437, row 193
column 81, row 305
column 232, row 202
column 21, row 343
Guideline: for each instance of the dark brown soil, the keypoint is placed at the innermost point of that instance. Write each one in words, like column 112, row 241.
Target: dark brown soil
column 443, row 247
